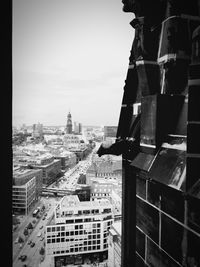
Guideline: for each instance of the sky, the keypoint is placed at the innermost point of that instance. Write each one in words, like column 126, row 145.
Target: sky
column 69, row 55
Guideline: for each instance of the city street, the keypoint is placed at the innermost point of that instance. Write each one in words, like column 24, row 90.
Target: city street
column 33, row 256
column 32, row 253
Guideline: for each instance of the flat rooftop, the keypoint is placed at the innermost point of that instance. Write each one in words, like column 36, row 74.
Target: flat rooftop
column 73, row 201
column 18, row 172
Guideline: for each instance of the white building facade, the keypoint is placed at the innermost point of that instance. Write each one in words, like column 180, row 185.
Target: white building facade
column 80, row 232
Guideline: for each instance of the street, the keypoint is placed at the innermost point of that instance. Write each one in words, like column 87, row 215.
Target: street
column 33, row 256
column 32, row 253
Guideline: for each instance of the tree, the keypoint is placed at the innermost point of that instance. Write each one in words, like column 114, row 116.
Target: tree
column 30, row 226
column 25, row 231
column 20, row 239
column 42, row 251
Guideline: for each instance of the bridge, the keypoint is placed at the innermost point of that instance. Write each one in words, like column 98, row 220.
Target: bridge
column 57, row 192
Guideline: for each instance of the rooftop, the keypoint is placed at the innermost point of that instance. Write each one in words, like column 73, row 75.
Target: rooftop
column 73, row 201
column 19, row 171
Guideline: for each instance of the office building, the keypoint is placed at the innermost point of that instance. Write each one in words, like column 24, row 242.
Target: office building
column 79, row 233
column 23, row 194
column 50, row 167
column 21, row 175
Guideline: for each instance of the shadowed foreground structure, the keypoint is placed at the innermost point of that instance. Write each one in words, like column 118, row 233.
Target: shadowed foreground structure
column 158, row 136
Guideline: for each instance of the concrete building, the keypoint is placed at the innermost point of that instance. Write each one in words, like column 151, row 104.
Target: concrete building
column 71, row 140
column 77, row 128
column 37, row 130
column 50, row 171
column 114, row 245
column 101, row 189
column 80, row 231
column 23, row 194
column 104, row 169
column 50, row 167
column 22, row 175
column 68, row 159
column 110, row 131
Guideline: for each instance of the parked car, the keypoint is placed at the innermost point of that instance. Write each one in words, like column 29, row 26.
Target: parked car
column 32, row 244
column 39, row 234
column 42, row 238
column 22, row 257
column 41, row 226
column 29, row 242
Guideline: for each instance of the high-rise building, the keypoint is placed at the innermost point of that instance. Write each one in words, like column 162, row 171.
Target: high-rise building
column 37, row 130
column 79, row 233
column 69, row 124
column 23, row 194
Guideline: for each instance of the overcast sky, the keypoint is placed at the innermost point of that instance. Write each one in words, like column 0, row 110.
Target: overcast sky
column 69, row 55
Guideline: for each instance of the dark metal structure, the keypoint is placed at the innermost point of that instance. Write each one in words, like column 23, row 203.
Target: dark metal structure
column 158, row 136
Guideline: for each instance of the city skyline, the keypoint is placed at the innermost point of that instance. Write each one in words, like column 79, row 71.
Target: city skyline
column 69, row 55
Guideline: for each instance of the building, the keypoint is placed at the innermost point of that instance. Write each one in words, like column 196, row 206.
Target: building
column 159, row 129
column 69, row 124
column 114, row 243
column 22, row 175
column 68, row 159
column 106, row 169
column 50, row 167
column 110, row 131
column 72, row 140
column 50, row 170
column 101, row 189
column 77, row 128
column 23, row 194
column 37, row 130
column 80, row 231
